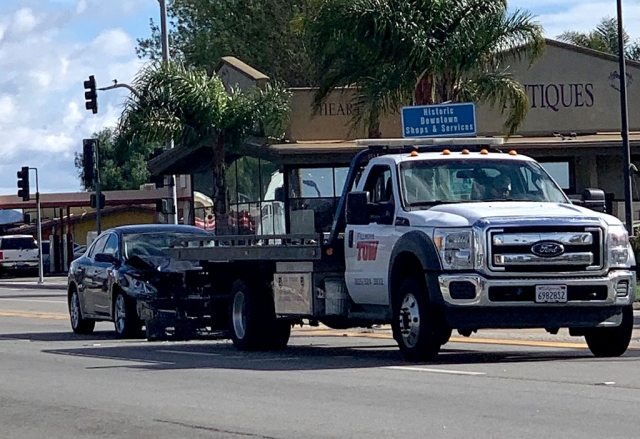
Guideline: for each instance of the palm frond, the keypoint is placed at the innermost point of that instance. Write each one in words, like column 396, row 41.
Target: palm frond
column 502, row 91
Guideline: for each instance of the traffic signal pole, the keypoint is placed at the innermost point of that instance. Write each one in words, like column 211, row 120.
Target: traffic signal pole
column 98, row 191
column 24, row 193
column 39, row 225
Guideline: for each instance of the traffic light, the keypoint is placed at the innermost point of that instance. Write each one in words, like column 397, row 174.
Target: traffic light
column 88, row 162
column 91, row 95
column 93, row 201
column 23, row 183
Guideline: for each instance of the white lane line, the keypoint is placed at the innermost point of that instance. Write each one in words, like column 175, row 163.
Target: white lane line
column 445, row 371
column 33, row 300
column 256, row 360
column 202, row 354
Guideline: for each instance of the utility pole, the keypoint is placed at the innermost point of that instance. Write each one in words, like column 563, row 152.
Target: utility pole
column 173, row 217
column 624, row 126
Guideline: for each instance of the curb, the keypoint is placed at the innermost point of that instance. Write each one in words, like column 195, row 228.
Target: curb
column 34, row 286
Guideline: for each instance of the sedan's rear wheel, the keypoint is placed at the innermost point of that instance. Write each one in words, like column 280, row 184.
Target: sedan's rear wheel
column 79, row 324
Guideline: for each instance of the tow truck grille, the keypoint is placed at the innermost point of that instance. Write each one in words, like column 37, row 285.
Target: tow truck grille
column 561, row 249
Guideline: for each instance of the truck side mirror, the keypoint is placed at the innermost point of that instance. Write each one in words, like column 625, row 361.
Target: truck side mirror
column 357, row 208
column 594, row 199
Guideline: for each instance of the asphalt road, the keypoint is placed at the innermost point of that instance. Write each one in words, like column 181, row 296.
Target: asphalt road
column 57, row 385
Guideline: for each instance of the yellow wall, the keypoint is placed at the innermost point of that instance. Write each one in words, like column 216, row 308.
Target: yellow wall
column 81, row 227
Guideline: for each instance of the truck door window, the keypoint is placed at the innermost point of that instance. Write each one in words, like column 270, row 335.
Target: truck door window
column 379, row 184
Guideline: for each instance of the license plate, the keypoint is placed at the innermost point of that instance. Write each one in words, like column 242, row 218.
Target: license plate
column 551, row 293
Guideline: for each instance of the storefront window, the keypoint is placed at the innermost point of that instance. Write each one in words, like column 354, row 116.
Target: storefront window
column 561, row 171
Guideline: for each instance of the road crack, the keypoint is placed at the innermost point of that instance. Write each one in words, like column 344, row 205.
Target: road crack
column 213, row 429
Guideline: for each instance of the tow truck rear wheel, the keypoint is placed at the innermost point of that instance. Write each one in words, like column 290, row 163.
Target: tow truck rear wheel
column 418, row 326
column 252, row 320
column 611, row 342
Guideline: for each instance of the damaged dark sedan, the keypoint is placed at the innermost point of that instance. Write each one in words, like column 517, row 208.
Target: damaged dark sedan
column 125, row 277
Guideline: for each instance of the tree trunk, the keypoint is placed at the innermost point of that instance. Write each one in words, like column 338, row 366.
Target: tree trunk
column 373, row 130
column 423, row 94
column 220, row 199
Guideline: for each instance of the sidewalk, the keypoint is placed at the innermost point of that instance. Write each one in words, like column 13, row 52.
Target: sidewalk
column 50, row 282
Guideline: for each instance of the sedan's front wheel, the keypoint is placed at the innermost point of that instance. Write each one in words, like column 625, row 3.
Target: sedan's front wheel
column 79, row 324
column 125, row 317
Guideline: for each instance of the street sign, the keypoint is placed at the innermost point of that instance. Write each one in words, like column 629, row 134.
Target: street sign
column 443, row 120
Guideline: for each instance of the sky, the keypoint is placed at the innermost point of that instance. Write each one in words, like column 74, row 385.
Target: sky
column 49, row 47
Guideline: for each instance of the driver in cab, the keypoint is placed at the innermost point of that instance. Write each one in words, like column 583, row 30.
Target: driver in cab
column 500, row 187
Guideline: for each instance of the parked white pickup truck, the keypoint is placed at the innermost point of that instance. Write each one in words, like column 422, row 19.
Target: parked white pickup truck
column 18, row 254
column 429, row 236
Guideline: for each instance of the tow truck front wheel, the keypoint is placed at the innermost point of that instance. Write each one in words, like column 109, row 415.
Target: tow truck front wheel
column 418, row 326
column 611, row 342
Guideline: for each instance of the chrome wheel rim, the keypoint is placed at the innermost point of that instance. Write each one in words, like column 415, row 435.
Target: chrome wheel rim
column 74, row 310
column 238, row 315
column 409, row 320
column 120, row 314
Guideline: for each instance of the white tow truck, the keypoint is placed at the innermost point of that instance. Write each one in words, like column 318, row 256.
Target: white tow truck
column 430, row 236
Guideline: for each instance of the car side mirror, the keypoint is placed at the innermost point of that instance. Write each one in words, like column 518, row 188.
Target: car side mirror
column 594, row 199
column 106, row 257
column 358, row 209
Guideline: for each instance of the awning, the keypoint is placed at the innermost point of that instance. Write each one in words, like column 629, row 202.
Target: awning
column 183, row 160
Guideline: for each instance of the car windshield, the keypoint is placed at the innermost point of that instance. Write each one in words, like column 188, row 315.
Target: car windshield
column 432, row 182
column 153, row 243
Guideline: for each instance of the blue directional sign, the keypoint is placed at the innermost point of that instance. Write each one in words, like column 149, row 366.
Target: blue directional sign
column 443, row 120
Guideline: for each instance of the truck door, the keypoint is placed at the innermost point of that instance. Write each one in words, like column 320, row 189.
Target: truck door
column 368, row 247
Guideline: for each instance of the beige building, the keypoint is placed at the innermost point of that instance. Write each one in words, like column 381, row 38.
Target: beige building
column 572, row 127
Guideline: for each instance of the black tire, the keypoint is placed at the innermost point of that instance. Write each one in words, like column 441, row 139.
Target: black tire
column 252, row 320
column 155, row 331
column 279, row 335
column 418, row 326
column 79, row 324
column 611, row 342
column 126, row 322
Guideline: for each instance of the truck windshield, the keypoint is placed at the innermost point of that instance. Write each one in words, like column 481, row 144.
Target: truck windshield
column 433, row 182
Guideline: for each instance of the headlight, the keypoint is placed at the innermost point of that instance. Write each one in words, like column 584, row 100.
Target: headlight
column 140, row 286
column 455, row 247
column 618, row 247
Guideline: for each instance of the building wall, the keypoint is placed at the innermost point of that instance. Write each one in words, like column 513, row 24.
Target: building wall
column 568, row 91
column 82, row 227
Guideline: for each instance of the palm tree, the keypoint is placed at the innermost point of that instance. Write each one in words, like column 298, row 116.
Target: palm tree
column 603, row 38
column 421, row 51
column 193, row 108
